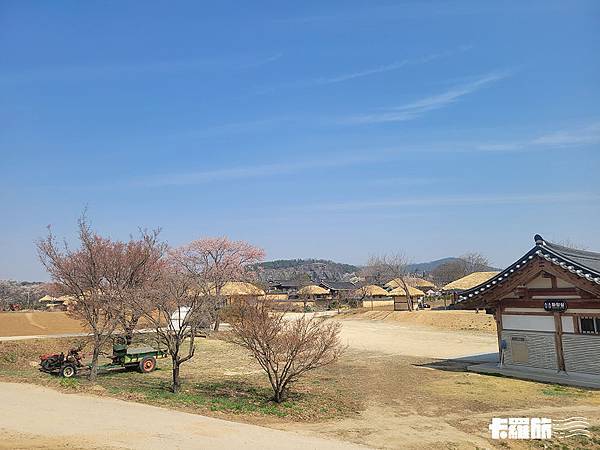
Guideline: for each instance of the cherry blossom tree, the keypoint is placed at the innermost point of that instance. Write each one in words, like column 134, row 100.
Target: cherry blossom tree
column 177, row 309
column 215, row 261
column 82, row 274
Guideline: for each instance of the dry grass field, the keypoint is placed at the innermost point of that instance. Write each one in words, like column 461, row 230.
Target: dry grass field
column 381, row 400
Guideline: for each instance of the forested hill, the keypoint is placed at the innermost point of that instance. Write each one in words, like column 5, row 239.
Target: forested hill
column 322, row 269
column 313, row 269
column 429, row 266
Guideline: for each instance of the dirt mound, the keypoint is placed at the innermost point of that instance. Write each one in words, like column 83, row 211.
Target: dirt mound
column 447, row 320
column 37, row 323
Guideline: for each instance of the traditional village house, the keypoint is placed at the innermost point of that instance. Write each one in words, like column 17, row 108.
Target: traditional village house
column 338, row 289
column 547, row 309
column 401, row 300
column 313, row 293
column 238, row 290
column 56, row 303
column 373, row 295
column 468, row 282
column 416, row 282
column 465, row 283
column 288, row 287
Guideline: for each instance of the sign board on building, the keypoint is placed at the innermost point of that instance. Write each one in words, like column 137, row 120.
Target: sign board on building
column 555, row 305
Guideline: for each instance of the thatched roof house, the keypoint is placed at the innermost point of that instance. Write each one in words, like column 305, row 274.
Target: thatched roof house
column 371, row 290
column 419, row 283
column 337, row 285
column 400, row 292
column 468, row 282
column 312, row 290
column 241, row 288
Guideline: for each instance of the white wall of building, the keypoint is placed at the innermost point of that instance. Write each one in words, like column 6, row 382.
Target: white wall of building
column 567, row 324
column 527, row 323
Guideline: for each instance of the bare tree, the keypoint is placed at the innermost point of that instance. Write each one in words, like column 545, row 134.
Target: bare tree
column 83, row 274
column 285, row 348
column 460, row 267
column 474, row 262
column 177, row 309
column 381, row 269
column 215, row 261
column 137, row 265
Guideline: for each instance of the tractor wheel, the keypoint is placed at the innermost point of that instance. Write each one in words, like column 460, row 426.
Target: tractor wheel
column 148, row 364
column 68, row 371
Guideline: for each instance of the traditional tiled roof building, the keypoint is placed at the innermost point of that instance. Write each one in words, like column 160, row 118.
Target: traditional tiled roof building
column 547, row 309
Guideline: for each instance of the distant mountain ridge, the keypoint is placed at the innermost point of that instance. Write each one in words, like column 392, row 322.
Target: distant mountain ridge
column 305, row 269
column 322, row 269
column 430, row 265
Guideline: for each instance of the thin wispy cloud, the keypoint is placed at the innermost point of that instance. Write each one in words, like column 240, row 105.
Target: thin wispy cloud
column 389, row 67
column 418, row 108
column 588, row 134
column 366, row 72
column 85, row 72
column 405, row 181
column 577, row 137
column 458, row 200
column 415, row 10
column 250, row 126
column 262, row 62
column 583, row 135
column 254, row 171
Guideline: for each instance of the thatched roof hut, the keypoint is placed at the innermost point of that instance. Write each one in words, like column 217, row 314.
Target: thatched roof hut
column 47, row 298
column 241, row 288
column 416, row 282
column 470, row 281
column 400, row 292
column 371, row 290
column 312, row 289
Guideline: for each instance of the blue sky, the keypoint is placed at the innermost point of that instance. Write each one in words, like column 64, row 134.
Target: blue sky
column 315, row 129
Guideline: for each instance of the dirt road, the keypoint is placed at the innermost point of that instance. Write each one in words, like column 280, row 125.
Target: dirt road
column 418, row 341
column 57, row 420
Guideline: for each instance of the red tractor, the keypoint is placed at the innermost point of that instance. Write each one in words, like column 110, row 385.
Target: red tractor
column 65, row 366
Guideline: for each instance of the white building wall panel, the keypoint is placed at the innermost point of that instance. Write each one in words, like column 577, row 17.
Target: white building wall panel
column 541, row 349
column 567, row 324
column 582, row 353
column 528, row 323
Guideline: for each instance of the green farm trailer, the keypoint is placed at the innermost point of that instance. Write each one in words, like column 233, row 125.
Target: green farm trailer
column 143, row 358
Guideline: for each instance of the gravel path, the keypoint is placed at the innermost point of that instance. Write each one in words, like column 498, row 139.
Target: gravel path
column 419, row 341
column 37, row 417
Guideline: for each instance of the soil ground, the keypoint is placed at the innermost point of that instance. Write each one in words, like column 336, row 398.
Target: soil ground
column 445, row 320
column 399, row 391
column 80, row 421
column 38, row 323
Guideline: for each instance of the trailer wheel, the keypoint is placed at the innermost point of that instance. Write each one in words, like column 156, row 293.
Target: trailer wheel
column 68, row 371
column 148, row 364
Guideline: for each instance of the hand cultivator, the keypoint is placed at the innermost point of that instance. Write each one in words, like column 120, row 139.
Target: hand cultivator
column 123, row 357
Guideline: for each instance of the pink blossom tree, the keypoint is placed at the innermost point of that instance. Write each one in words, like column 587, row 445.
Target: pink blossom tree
column 215, row 261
